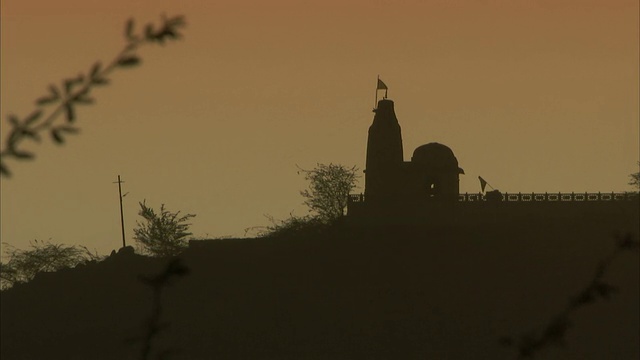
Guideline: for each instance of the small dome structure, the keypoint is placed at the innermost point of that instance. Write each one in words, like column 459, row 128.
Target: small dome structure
column 437, row 171
column 436, row 157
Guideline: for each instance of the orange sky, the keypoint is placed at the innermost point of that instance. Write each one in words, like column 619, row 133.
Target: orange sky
column 531, row 95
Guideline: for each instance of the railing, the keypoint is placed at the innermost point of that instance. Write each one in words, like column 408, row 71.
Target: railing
column 563, row 197
column 534, row 197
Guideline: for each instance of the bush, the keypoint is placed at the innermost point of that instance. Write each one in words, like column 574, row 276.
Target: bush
column 294, row 225
column 43, row 256
column 162, row 234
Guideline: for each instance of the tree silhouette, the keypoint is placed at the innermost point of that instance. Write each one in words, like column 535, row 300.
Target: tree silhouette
column 76, row 91
column 329, row 187
column 162, row 234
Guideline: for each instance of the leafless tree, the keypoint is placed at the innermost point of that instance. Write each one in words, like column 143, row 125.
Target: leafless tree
column 329, row 187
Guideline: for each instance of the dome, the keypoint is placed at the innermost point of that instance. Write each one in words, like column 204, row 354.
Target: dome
column 436, row 156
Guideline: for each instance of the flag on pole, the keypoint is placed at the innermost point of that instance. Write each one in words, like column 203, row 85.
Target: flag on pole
column 380, row 86
column 483, row 183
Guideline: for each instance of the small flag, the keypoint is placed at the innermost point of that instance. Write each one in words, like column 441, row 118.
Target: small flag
column 381, row 85
column 483, row 183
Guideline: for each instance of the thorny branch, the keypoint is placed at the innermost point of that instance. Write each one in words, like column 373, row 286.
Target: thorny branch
column 554, row 333
column 153, row 325
column 76, row 91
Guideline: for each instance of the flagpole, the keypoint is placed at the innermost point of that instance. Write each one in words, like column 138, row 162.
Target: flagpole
column 484, row 183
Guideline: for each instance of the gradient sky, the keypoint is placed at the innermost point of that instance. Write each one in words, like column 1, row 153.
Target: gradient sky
column 536, row 95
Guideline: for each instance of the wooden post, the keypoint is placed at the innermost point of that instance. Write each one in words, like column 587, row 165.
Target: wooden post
column 124, row 244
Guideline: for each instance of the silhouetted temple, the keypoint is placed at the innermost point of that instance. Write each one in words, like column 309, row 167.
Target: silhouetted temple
column 427, row 187
column 432, row 173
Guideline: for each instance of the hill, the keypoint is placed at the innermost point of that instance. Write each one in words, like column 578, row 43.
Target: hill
column 349, row 291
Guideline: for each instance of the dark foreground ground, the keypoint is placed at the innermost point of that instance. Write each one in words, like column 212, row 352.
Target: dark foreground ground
column 438, row 291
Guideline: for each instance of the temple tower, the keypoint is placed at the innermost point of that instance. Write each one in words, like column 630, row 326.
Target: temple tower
column 384, row 155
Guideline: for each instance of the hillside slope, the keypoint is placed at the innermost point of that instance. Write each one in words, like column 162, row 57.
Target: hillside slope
column 348, row 292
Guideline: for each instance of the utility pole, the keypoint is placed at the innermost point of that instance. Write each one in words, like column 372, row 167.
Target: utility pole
column 121, row 212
